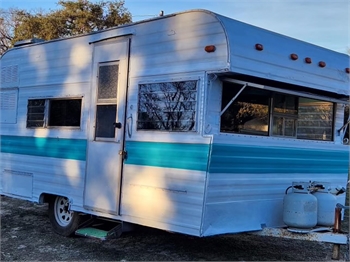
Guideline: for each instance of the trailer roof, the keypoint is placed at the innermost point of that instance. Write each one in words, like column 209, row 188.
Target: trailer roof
column 261, row 53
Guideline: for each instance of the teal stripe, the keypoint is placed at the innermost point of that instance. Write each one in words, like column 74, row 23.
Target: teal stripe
column 254, row 159
column 171, row 155
column 44, row 146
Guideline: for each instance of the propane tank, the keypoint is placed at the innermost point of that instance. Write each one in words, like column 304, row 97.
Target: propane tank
column 300, row 206
column 326, row 203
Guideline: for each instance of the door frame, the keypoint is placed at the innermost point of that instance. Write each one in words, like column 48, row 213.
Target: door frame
column 91, row 132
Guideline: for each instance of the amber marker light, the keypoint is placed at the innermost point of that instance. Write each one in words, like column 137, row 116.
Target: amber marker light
column 294, row 56
column 259, row 47
column 308, row 60
column 210, row 48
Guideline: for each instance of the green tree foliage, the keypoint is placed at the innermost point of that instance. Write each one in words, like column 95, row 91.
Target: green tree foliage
column 73, row 18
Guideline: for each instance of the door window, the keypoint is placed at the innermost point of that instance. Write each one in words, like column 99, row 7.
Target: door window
column 106, row 104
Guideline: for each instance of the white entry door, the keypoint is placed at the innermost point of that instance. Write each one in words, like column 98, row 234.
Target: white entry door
column 106, row 127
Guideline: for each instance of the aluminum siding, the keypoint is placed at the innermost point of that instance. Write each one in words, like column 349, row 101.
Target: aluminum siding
column 274, row 61
column 248, row 176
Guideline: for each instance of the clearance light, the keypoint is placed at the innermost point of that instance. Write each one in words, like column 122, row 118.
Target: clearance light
column 308, row 60
column 294, row 56
column 321, row 64
column 210, row 48
column 347, row 70
column 259, row 47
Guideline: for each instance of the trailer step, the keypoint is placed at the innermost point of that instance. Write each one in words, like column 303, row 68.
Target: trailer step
column 102, row 229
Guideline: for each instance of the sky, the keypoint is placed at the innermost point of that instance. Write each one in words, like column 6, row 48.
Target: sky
column 323, row 22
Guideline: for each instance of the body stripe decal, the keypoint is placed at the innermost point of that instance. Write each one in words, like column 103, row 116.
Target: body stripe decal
column 254, row 159
column 45, row 146
column 170, row 155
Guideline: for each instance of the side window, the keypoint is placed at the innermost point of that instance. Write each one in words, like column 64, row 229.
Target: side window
column 36, row 113
column 248, row 113
column 169, row 106
column 315, row 119
column 255, row 111
column 54, row 113
column 285, row 115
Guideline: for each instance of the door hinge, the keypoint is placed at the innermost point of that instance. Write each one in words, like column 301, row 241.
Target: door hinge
column 123, row 153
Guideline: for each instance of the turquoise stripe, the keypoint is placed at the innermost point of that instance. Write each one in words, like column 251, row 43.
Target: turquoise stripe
column 44, row 146
column 171, row 155
column 254, row 159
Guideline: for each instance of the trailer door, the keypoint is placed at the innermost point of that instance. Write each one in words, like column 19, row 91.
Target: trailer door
column 106, row 126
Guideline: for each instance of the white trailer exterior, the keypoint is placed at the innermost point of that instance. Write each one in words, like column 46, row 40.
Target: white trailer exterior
column 179, row 159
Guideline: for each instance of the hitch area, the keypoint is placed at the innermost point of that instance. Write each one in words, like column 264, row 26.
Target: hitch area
column 332, row 235
column 320, row 234
column 101, row 228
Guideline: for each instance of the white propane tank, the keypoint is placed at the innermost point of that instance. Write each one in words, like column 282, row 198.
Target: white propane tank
column 326, row 203
column 300, row 206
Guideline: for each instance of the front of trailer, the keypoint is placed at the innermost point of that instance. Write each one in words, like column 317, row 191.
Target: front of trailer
column 276, row 117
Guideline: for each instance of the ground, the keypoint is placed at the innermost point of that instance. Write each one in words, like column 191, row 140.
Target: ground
column 26, row 235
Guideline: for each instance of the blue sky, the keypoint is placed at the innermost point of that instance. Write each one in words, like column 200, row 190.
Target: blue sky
column 323, row 22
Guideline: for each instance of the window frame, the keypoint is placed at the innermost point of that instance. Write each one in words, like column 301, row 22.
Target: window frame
column 195, row 128
column 272, row 114
column 47, row 108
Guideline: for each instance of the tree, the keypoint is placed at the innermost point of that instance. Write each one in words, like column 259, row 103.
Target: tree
column 74, row 18
column 8, row 23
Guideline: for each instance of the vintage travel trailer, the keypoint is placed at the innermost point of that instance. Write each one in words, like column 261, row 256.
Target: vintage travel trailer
column 190, row 122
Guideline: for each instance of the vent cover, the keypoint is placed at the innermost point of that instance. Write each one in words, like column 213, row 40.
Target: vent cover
column 9, row 74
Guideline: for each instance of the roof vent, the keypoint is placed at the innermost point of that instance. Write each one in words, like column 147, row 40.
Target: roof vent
column 28, row 41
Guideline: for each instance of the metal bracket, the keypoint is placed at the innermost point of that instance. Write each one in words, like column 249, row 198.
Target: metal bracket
column 123, row 153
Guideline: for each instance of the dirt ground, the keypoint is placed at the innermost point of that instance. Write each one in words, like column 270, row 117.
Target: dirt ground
column 26, row 235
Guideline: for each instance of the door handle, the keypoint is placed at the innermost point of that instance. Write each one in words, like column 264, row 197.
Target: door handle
column 117, row 125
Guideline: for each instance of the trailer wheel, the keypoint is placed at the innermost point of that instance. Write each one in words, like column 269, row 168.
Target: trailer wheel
column 63, row 221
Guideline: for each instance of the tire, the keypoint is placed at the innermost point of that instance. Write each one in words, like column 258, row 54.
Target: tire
column 63, row 221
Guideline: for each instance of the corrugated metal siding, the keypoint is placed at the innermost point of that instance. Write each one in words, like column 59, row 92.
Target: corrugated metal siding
column 50, row 175
column 170, row 197
column 163, row 183
column 56, row 62
column 54, row 156
column 176, row 44
column 274, row 62
column 165, row 198
column 249, row 175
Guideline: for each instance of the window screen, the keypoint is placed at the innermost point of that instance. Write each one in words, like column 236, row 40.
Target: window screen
column 315, row 119
column 106, row 104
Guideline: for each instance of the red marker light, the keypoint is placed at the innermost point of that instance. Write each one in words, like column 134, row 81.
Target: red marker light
column 294, row 56
column 210, row 48
column 308, row 60
column 259, row 47
column 321, row 64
